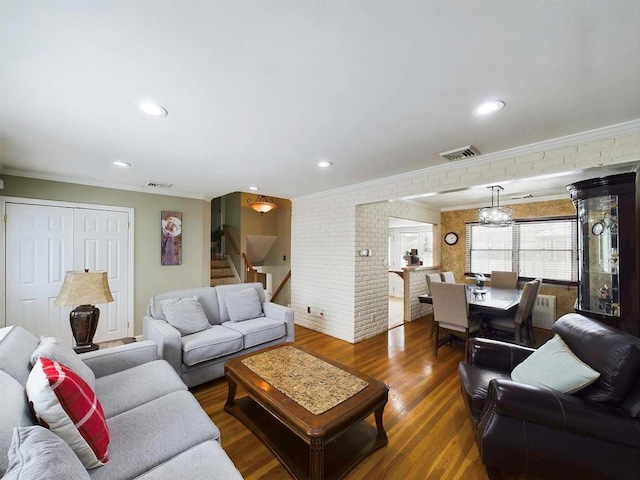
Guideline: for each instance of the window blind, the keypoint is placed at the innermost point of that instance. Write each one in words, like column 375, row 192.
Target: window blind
column 543, row 248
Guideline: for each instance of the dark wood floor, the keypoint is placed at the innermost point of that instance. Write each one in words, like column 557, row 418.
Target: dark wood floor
column 430, row 436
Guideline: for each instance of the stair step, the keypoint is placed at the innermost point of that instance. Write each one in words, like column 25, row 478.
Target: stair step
column 219, row 263
column 221, row 272
column 223, row 281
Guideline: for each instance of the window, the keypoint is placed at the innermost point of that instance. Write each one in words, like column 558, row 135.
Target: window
column 533, row 248
column 406, row 238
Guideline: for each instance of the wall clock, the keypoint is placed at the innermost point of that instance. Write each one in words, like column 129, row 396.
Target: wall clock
column 451, row 238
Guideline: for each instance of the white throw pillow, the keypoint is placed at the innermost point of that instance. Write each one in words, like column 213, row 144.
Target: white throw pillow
column 555, row 366
column 185, row 314
column 243, row 305
column 56, row 350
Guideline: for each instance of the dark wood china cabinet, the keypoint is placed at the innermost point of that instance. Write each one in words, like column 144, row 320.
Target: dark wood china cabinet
column 607, row 258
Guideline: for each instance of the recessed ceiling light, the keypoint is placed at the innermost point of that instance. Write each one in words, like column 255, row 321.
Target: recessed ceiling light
column 253, row 188
column 153, row 109
column 325, row 164
column 120, row 163
column 487, row 108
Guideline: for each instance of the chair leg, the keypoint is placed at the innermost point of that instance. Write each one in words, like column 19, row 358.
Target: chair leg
column 437, row 340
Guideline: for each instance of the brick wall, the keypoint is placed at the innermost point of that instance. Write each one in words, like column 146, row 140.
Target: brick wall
column 328, row 229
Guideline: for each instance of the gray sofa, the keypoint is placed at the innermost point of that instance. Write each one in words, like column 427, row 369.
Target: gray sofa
column 157, row 428
column 200, row 357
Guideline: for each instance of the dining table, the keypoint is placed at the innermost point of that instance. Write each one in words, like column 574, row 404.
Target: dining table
column 488, row 300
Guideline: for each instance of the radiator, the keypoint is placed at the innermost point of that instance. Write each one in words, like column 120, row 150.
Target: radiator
column 544, row 311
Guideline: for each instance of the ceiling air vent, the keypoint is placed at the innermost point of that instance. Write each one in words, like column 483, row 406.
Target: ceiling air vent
column 460, row 153
column 161, row 185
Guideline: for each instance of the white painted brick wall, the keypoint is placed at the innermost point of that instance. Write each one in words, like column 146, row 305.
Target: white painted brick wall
column 328, row 229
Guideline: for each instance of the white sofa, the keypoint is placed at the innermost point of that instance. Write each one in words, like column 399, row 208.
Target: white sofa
column 199, row 357
column 157, row 428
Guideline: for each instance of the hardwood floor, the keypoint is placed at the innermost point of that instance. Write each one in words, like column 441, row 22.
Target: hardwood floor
column 429, row 434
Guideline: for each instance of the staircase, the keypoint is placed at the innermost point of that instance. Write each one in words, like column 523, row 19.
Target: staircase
column 221, row 272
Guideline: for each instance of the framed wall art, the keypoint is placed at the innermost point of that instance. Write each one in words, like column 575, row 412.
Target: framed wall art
column 171, row 246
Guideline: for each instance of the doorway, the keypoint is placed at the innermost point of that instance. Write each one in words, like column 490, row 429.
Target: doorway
column 410, row 244
column 44, row 240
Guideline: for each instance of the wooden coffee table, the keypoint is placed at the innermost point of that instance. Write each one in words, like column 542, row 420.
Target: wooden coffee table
column 322, row 446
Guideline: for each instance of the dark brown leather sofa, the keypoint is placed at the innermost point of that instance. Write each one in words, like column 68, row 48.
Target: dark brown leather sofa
column 594, row 433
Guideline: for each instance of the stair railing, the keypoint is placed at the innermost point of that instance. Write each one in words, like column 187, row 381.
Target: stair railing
column 281, row 286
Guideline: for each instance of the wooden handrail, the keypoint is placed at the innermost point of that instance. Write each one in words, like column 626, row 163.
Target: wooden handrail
column 229, row 238
column 281, row 286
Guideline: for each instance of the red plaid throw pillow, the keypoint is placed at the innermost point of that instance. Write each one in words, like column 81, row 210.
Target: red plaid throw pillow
column 64, row 403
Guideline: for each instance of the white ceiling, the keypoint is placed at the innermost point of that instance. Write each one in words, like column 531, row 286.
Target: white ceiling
column 259, row 91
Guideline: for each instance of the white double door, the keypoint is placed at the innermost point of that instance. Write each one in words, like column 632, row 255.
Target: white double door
column 42, row 244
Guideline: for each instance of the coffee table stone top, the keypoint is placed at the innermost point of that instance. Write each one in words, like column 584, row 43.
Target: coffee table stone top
column 309, row 381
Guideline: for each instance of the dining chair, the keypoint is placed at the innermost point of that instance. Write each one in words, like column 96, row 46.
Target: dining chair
column 518, row 327
column 504, row 279
column 432, row 278
column 448, row 277
column 451, row 314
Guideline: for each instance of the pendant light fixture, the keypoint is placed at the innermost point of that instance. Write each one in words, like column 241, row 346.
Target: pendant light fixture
column 495, row 215
column 262, row 204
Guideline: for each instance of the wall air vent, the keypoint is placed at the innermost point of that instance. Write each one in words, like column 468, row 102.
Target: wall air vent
column 160, row 185
column 522, row 197
column 460, row 153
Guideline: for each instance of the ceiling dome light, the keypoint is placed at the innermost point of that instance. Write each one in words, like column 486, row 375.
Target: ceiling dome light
column 120, row 163
column 487, row 108
column 325, row 164
column 262, row 204
column 153, row 109
column 253, row 189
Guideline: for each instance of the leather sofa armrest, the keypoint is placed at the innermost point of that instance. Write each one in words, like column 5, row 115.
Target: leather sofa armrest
column 167, row 338
column 116, row 359
column 285, row 314
column 486, row 353
column 562, row 411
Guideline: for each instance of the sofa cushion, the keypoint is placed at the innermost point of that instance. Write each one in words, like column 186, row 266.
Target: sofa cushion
column 215, row 342
column 54, row 349
column 142, row 384
column 65, row 404
column 205, row 460
column 185, row 315
column 555, row 366
column 16, row 347
column 617, row 357
column 207, row 296
column 38, row 453
column 14, row 412
column 475, row 385
column 221, row 290
column 243, row 305
column 153, row 434
column 258, row 330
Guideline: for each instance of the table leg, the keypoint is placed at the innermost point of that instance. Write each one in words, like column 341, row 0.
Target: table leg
column 316, row 459
column 382, row 434
column 232, row 391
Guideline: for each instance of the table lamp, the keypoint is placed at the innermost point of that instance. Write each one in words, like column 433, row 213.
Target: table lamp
column 84, row 289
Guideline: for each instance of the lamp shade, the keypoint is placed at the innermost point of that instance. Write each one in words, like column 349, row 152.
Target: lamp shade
column 84, row 288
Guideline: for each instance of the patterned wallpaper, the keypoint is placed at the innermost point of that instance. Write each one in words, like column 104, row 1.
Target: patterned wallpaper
column 453, row 256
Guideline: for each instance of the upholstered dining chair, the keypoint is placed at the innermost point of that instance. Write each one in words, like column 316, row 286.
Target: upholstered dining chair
column 448, row 277
column 520, row 326
column 432, row 278
column 504, row 279
column 451, row 314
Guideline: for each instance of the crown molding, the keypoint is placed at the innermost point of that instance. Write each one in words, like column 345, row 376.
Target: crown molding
column 588, row 136
column 115, row 186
